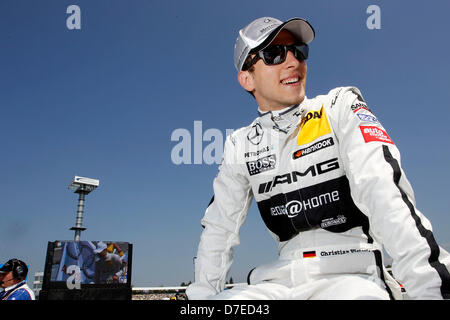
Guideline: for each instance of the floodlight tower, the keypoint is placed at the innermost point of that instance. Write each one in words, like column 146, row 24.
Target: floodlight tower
column 82, row 186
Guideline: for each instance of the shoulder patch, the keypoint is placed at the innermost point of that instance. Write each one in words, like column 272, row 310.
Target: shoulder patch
column 372, row 133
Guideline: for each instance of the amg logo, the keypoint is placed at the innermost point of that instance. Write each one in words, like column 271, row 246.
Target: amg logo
column 317, row 169
column 261, row 165
column 315, row 147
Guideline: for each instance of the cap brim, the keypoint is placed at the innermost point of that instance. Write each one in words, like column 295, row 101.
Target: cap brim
column 299, row 28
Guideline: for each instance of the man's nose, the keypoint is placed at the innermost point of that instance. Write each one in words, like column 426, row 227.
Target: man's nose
column 291, row 60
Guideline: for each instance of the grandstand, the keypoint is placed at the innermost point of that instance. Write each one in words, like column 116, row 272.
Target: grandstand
column 163, row 293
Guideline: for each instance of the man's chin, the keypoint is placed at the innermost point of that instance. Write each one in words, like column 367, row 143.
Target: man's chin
column 301, row 99
column 296, row 100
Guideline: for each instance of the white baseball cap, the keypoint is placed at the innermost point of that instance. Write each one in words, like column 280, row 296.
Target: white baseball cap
column 261, row 32
column 100, row 247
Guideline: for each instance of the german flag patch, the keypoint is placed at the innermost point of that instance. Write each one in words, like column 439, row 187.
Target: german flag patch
column 309, row 254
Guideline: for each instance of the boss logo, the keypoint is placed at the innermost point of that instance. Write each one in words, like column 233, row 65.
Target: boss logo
column 261, row 165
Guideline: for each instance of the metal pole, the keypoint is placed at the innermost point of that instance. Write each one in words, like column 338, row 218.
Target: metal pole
column 79, row 222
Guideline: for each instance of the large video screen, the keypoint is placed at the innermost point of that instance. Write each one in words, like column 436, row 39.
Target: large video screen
column 88, row 263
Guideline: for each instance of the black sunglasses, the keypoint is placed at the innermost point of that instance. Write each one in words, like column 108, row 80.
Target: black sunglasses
column 276, row 54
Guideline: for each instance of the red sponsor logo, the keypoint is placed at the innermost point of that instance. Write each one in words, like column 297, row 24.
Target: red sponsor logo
column 371, row 133
column 298, row 154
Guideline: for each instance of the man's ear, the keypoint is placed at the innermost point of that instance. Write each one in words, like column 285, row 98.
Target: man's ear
column 246, row 81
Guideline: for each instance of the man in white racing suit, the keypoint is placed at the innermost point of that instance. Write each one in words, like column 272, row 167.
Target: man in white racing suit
column 328, row 183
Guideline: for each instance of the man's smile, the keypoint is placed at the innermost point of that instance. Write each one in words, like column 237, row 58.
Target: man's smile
column 290, row 80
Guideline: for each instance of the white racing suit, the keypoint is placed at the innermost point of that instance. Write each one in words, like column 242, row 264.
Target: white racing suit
column 329, row 186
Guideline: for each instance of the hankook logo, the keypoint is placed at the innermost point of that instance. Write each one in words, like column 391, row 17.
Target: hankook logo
column 315, row 147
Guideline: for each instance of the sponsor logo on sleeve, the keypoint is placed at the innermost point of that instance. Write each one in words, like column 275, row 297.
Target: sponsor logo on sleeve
column 367, row 118
column 315, row 147
column 360, row 106
column 261, row 165
column 371, row 133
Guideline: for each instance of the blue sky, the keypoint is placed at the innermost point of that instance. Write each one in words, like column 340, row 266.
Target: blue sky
column 103, row 102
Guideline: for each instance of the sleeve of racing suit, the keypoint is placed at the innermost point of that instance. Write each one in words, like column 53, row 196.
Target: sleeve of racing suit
column 20, row 294
column 381, row 190
column 222, row 220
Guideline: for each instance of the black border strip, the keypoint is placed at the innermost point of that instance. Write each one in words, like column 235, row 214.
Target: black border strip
column 427, row 234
